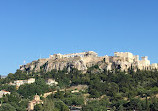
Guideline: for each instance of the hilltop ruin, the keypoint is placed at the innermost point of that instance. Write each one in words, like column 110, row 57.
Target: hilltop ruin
column 82, row 61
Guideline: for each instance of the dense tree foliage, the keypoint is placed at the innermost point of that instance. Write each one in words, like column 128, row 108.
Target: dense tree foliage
column 95, row 106
column 14, row 102
column 52, row 105
column 69, row 98
column 115, row 90
column 29, row 90
column 7, row 107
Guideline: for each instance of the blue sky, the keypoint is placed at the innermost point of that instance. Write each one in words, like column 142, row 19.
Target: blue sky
column 30, row 28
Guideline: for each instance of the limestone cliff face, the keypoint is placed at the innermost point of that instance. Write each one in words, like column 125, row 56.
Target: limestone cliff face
column 82, row 61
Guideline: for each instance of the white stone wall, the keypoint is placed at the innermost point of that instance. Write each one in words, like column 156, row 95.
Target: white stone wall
column 82, row 54
column 31, row 80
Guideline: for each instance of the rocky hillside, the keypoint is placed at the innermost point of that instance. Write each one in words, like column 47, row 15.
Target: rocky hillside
column 60, row 63
column 82, row 61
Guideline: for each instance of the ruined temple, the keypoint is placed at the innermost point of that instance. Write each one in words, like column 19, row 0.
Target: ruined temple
column 82, row 61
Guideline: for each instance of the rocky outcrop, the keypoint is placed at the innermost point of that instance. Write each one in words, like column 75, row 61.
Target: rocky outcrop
column 48, row 65
column 82, row 61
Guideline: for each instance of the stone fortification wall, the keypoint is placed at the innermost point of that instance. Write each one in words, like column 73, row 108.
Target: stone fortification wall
column 82, row 54
column 126, row 59
column 128, row 56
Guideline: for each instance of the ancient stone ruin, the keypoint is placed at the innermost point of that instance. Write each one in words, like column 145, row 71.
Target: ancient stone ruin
column 82, row 54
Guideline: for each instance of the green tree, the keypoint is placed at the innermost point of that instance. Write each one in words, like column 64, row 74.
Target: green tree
column 7, row 107
column 38, row 107
column 61, row 106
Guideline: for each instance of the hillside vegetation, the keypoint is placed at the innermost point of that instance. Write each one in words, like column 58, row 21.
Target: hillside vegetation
column 114, row 90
